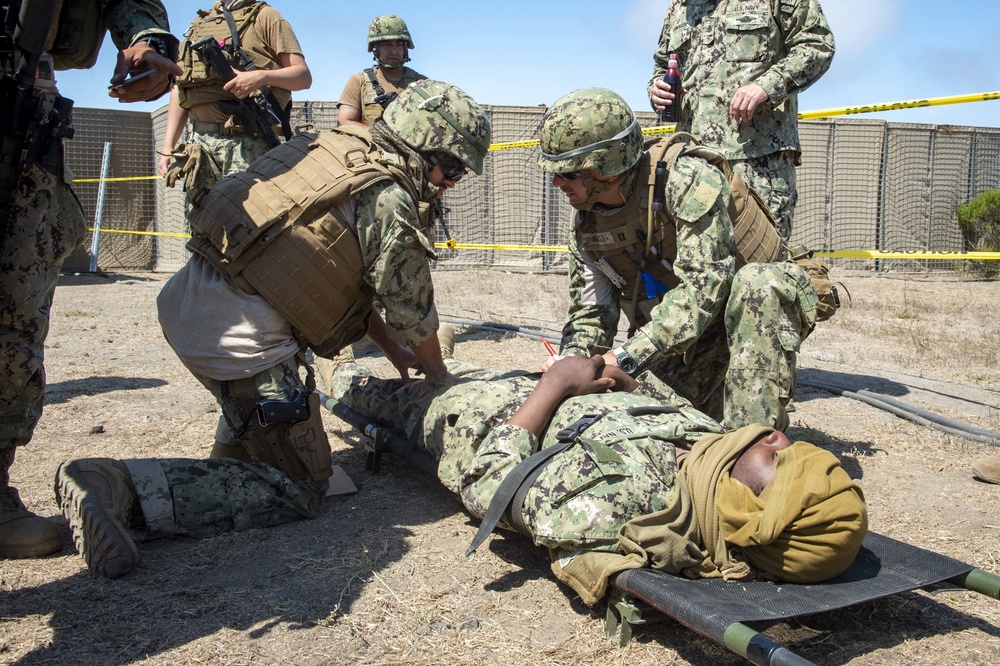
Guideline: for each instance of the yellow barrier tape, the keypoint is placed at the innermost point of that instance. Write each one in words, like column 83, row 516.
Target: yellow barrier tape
column 516, row 248
column 165, row 234
column 121, row 179
column 836, row 254
column 914, row 254
column 667, row 129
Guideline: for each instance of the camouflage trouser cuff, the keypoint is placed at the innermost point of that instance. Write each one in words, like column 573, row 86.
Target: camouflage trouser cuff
column 154, row 495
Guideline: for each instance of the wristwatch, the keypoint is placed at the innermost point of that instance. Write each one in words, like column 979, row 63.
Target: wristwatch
column 156, row 44
column 625, row 361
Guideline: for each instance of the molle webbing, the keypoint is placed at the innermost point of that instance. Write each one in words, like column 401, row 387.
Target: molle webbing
column 268, row 230
column 755, row 231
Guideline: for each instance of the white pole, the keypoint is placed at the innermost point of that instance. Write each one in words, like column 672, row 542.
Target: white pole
column 99, row 214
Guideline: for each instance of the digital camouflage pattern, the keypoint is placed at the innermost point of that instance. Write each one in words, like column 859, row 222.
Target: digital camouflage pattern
column 623, row 466
column 46, row 226
column 582, row 123
column 207, row 497
column 685, row 343
column 386, row 28
column 127, row 21
column 782, row 45
column 397, row 250
column 229, row 154
column 433, row 116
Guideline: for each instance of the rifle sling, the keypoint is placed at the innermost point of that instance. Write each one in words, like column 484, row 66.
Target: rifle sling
column 282, row 113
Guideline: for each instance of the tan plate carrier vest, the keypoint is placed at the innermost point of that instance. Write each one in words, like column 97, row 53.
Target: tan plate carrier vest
column 637, row 239
column 269, row 230
column 200, row 83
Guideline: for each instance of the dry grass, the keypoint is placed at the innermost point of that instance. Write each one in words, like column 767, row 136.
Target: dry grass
column 379, row 577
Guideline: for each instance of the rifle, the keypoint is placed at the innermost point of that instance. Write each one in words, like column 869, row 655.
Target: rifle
column 26, row 26
column 256, row 114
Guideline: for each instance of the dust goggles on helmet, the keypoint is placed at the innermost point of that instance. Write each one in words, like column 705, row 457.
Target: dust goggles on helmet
column 582, row 150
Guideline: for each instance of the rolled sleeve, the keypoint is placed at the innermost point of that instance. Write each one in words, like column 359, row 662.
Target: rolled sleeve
column 130, row 20
column 397, row 255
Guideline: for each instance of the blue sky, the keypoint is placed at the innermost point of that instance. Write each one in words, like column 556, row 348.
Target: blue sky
column 529, row 53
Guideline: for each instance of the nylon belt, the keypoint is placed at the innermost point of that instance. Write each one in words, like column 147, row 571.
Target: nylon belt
column 529, row 467
column 513, row 489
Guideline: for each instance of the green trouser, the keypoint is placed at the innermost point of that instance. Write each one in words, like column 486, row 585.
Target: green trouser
column 45, row 226
column 207, row 497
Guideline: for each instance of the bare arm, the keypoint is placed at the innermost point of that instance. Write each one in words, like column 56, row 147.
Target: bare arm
column 348, row 115
column 293, row 75
column 176, row 119
column 401, row 358
column 571, row 375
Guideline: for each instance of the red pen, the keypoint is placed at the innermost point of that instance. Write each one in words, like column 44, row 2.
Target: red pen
column 548, row 347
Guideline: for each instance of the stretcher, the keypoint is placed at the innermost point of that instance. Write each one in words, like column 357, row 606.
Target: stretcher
column 720, row 610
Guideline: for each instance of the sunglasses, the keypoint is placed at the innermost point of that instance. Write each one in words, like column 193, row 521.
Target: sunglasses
column 569, row 175
column 451, row 167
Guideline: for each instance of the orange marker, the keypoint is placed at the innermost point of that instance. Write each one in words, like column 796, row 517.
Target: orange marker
column 548, row 347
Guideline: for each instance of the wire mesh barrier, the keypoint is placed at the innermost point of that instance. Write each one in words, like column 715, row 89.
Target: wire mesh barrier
column 867, row 185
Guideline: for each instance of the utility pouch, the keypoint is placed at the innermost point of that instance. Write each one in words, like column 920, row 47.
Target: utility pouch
column 819, row 275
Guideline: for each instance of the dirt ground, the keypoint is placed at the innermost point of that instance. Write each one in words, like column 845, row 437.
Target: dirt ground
column 379, row 577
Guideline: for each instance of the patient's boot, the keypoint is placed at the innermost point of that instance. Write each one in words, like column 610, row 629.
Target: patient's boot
column 22, row 533
column 446, row 337
column 987, row 469
column 325, row 367
column 97, row 497
column 234, row 451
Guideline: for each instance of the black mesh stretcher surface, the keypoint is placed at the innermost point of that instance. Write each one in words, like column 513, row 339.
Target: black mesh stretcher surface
column 718, row 609
column 882, row 568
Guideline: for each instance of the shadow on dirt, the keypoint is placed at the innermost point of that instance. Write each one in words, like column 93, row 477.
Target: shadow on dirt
column 60, row 392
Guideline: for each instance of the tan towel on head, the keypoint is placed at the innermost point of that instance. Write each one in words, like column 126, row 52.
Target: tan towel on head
column 808, row 524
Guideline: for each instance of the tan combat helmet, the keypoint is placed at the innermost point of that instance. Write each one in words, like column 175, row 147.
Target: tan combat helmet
column 437, row 117
column 592, row 128
column 387, row 28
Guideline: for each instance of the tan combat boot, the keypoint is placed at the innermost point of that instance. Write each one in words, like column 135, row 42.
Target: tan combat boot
column 325, row 367
column 22, row 533
column 97, row 497
column 987, row 469
column 446, row 337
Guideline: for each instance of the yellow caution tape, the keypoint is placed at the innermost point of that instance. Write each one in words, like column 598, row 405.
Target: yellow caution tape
column 666, row 129
column 165, row 234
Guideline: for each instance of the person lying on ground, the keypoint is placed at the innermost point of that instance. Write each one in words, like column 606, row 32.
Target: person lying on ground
column 638, row 477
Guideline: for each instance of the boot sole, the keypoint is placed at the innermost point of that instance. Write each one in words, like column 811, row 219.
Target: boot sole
column 102, row 541
column 984, row 477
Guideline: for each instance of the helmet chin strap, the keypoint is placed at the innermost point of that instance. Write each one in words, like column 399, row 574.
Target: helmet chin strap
column 406, row 59
column 595, row 188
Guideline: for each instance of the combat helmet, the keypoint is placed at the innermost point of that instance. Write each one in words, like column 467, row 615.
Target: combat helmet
column 433, row 116
column 592, row 128
column 388, row 27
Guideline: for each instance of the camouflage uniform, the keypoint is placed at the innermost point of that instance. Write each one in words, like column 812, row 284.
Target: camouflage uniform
column 46, row 225
column 360, row 91
column 721, row 338
column 623, row 466
column 394, row 233
column 723, row 45
column 222, row 140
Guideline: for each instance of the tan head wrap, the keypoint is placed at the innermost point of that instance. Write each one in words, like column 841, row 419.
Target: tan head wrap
column 806, row 526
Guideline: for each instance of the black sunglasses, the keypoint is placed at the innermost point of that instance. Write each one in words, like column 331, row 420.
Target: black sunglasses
column 451, row 167
column 569, row 175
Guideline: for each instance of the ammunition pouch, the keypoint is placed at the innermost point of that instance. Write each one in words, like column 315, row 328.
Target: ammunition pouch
column 301, row 450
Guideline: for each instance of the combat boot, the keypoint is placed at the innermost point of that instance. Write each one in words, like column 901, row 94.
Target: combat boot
column 987, row 469
column 22, row 533
column 446, row 337
column 326, row 367
column 98, row 499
